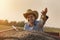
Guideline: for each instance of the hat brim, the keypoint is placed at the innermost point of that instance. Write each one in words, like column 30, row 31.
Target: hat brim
column 29, row 13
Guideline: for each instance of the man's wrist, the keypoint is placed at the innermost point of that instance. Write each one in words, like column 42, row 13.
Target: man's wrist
column 44, row 16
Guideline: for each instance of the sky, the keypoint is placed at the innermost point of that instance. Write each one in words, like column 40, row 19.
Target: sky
column 13, row 10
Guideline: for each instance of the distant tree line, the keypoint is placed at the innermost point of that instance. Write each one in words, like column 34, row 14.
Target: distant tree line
column 18, row 24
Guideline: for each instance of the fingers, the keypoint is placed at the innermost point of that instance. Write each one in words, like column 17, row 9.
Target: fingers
column 44, row 11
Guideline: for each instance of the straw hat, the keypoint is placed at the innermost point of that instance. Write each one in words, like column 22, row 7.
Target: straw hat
column 29, row 11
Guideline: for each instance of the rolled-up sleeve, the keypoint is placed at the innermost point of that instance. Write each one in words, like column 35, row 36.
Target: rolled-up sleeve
column 41, row 23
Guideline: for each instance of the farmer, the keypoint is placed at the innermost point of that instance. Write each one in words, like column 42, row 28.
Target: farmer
column 32, row 24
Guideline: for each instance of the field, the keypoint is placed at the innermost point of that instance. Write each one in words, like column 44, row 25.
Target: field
column 4, row 28
column 46, row 29
column 24, row 35
column 49, row 29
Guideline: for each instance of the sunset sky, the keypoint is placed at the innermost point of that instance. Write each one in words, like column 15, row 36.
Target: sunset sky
column 13, row 10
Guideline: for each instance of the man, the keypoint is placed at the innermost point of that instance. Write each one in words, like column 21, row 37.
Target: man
column 33, row 24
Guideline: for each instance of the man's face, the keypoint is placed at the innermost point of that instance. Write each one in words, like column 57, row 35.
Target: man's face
column 31, row 18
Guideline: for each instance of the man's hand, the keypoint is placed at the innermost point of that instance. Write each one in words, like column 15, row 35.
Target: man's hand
column 44, row 12
column 44, row 16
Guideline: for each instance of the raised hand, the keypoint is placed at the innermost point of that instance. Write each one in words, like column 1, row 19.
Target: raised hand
column 44, row 11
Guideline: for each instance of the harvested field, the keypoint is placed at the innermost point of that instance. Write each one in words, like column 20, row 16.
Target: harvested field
column 25, row 35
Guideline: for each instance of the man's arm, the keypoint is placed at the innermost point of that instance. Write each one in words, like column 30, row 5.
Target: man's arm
column 43, row 17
